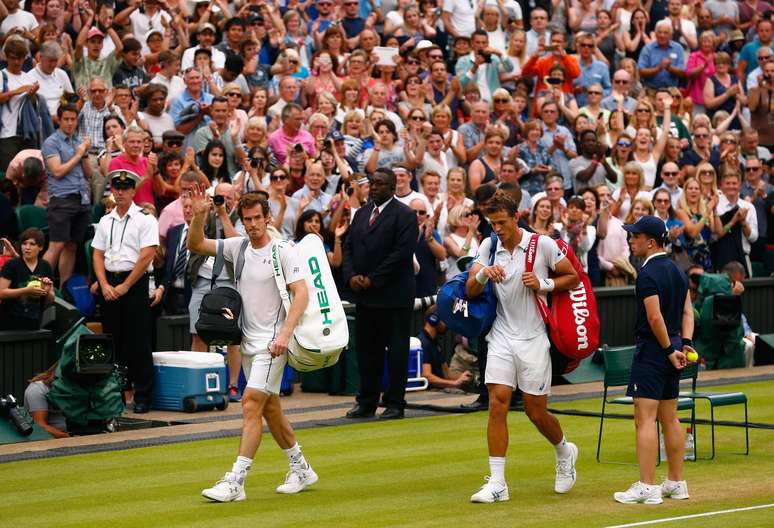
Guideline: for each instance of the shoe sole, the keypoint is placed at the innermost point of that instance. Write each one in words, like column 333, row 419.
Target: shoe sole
column 574, row 461
column 483, row 501
column 676, row 497
column 239, row 498
column 647, row 501
column 305, row 485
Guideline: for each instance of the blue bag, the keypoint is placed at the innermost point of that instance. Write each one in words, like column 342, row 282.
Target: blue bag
column 77, row 292
column 468, row 317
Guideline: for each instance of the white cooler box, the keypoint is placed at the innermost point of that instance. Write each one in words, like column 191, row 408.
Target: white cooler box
column 189, row 381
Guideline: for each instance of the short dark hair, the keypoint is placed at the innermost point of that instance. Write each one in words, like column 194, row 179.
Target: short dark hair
column 69, row 107
column 512, row 190
column 218, row 99
column 479, row 33
column 235, row 21
column 592, row 191
column 234, row 63
column 484, row 192
column 166, row 56
column 305, row 217
column 250, row 200
column 132, row 44
column 390, row 126
column 35, row 234
column 732, row 267
column 502, row 202
column 32, row 169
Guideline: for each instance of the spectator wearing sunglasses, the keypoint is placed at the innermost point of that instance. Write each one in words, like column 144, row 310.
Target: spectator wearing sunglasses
column 592, row 70
column 669, row 173
column 619, row 97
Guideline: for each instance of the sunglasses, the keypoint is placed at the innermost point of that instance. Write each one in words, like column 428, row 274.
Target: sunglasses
column 625, row 144
column 663, row 200
column 586, row 45
column 733, row 141
column 421, row 212
column 412, row 61
column 701, row 136
column 620, row 81
column 643, row 110
column 174, row 143
column 665, row 173
column 752, row 169
column 278, row 177
column 501, row 101
column 414, row 81
column 707, row 172
column 593, row 92
column 234, row 94
column 417, row 118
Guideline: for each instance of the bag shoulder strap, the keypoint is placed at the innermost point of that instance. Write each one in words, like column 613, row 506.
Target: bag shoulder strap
column 492, row 247
column 532, row 250
column 240, row 263
column 220, row 261
column 279, row 275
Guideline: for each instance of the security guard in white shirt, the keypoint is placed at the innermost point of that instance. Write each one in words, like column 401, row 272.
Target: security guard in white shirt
column 124, row 244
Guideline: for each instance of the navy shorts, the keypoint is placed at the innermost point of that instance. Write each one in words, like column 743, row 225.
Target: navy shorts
column 653, row 376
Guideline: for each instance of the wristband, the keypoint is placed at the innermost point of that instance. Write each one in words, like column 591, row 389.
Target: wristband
column 668, row 350
column 547, row 285
column 481, row 276
column 687, row 342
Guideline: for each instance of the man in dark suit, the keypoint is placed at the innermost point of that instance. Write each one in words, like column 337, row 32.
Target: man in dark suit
column 378, row 266
column 176, row 283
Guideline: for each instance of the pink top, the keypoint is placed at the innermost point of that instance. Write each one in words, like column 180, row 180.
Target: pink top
column 145, row 189
column 171, row 216
column 281, row 142
column 696, row 85
column 613, row 245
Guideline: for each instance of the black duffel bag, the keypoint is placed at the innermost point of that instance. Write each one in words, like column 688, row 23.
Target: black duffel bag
column 220, row 313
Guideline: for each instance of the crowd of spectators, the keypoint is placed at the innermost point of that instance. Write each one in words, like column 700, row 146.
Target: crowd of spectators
column 591, row 113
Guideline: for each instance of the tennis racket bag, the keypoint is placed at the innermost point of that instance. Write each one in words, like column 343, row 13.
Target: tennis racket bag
column 321, row 333
column 573, row 321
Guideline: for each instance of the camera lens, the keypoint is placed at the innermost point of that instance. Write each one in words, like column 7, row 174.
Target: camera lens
column 219, row 199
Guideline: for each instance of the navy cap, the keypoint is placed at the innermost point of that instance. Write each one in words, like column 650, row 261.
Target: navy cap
column 649, row 225
column 335, row 135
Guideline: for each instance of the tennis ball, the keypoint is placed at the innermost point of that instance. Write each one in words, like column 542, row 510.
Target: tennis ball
column 35, row 284
column 692, row 356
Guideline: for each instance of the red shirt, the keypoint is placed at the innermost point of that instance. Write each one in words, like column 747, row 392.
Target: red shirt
column 144, row 192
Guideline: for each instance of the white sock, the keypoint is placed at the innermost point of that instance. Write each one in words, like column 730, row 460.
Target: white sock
column 241, row 467
column 562, row 448
column 295, row 456
column 497, row 469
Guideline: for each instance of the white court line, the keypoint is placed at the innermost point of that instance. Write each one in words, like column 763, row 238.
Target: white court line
column 694, row 516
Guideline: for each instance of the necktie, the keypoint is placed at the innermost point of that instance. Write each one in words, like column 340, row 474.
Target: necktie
column 182, row 255
column 374, row 216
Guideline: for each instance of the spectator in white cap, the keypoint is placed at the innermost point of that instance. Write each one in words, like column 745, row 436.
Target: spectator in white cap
column 206, row 39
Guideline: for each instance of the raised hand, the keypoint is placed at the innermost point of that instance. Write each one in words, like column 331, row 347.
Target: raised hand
column 201, row 201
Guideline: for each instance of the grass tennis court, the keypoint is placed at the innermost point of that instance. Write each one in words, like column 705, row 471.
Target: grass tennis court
column 416, row 472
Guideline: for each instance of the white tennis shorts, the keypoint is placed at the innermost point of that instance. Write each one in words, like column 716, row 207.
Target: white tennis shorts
column 525, row 364
column 263, row 372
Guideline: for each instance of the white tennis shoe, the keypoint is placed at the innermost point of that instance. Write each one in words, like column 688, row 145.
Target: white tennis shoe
column 298, row 479
column 639, row 493
column 492, row 491
column 229, row 489
column 675, row 489
column 565, row 470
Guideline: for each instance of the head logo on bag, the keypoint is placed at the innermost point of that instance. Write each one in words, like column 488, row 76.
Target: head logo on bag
column 322, row 331
column 322, row 295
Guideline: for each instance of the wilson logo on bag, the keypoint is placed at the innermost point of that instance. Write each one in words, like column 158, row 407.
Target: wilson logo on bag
column 573, row 320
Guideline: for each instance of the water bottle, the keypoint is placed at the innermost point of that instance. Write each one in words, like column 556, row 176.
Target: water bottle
column 689, row 445
column 662, row 447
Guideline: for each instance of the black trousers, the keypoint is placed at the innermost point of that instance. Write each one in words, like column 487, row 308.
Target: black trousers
column 128, row 320
column 382, row 332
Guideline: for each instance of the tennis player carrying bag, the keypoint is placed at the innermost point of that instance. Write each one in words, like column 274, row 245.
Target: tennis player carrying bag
column 220, row 313
column 321, row 333
column 468, row 317
column 573, row 321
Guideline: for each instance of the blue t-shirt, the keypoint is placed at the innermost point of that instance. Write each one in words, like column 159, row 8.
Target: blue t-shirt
column 660, row 276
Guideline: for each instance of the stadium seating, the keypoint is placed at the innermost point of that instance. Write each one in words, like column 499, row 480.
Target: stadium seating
column 32, row 216
column 618, row 365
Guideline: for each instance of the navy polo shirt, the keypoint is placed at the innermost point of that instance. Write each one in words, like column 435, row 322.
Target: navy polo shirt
column 660, row 276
